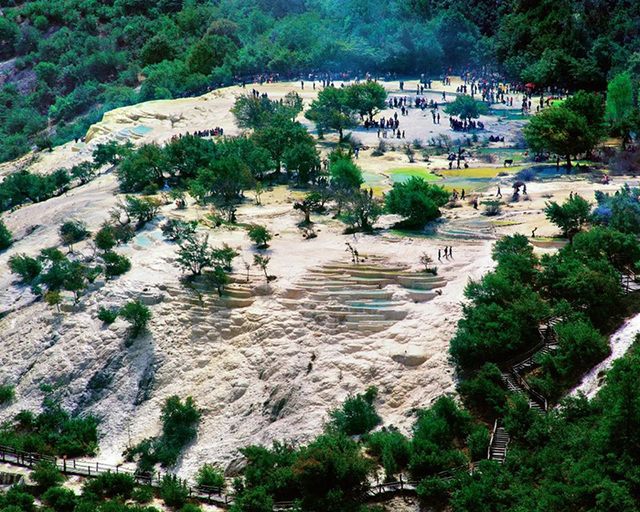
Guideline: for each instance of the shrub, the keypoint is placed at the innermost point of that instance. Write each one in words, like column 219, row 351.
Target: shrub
column 143, row 494
column 6, row 236
column 357, row 415
column 180, row 424
column 173, row 491
column 259, row 236
column 105, row 237
column 478, row 442
column 47, row 475
column 114, row 484
column 123, row 233
column 22, row 500
column 361, row 210
column 73, row 231
column 115, row 264
column 391, row 448
column 190, row 507
column 59, row 499
column 210, row 476
column 254, row 500
column 7, row 394
column 194, row 254
column 137, row 314
column 26, row 267
column 434, row 492
column 177, row 230
column 485, row 391
column 491, row 208
column 143, row 209
column 52, row 432
column 108, row 316
column 416, row 200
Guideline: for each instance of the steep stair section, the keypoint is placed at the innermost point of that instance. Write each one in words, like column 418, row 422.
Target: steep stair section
column 498, row 444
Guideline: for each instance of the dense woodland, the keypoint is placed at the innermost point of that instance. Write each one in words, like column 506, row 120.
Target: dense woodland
column 68, row 61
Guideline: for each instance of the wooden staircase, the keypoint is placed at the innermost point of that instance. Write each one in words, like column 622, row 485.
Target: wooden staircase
column 498, row 444
column 513, row 371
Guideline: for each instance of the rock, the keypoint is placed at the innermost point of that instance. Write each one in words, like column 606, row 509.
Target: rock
column 409, row 356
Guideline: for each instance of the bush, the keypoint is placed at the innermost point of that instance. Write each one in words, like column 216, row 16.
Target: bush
column 210, row 476
column 180, row 424
column 111, row 485
column 52, row 432
column 173, row 491
column 143, row 494
column 26, row 267
column 105, row 237
column 73, row 231
column 254, row 500
column 59, row 499
column 115, row 264
column 47, row 475
column 391, row 448
column 7, row 394
column 177, row 230
column 416, row 200
column 485, row 391
column 123, row 233
column 357, row 415
column 108, row 316
column 143, row 209
column 259, row 236
column 136, row 313
column 6, row 236
column 478, row 442
column 491, row 208
column 190, row 507
column 22, row 500
column 434, row 492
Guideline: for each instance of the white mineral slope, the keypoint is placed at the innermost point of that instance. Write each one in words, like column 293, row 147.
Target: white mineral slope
column 620, row 343
column 247, row 368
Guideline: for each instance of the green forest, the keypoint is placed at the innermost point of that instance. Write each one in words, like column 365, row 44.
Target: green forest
column 69, row 61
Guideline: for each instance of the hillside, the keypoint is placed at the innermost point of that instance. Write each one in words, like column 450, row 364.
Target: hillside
column 67, row 62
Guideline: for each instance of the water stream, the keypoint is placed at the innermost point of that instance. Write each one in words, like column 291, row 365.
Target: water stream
column 620, row 342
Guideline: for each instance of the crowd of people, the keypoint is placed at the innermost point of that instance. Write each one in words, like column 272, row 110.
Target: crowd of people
column 465, row 125
column 218, row 131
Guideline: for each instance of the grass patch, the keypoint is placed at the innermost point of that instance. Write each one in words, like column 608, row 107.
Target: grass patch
column 403, row 174
column 481, row 172
column 410, row 234
column 505, row 222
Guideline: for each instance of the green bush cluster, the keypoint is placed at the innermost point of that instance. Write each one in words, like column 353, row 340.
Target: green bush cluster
column 6, row 236
column 137, row 314
column 7, row 394
column 417, row 201
column 53, row 431
column 53, row 270
column 179, row 427
column 357, row 415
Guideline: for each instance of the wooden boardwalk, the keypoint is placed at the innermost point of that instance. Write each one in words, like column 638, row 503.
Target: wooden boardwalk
column 212, row 495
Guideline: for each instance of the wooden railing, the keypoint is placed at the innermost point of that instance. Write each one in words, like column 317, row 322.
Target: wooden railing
column 93, row 469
